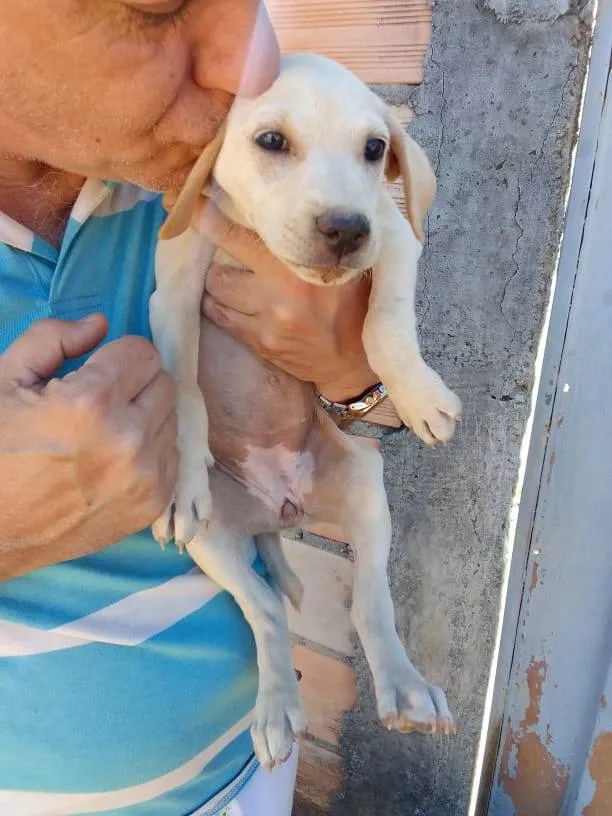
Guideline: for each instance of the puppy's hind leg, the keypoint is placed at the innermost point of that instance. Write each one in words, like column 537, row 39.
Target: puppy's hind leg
column 349, row 491
column 270, row 549
column 279, row 714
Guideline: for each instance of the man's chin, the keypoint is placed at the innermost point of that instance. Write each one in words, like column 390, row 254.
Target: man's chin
column 169, row 182
column 160, row 179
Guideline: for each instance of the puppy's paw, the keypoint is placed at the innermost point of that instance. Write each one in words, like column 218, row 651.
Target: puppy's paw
column 163, row 527
column 192, row 503
column 181, row 519
column 426, row 405
column 279, row 719
column 406, row 703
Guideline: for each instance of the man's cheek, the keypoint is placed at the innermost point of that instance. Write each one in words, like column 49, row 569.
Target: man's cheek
column 146, row 78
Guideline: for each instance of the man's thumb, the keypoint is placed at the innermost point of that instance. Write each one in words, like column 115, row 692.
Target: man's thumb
column 41, row 350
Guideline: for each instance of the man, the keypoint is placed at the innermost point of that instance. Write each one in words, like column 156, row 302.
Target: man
column 126, row 678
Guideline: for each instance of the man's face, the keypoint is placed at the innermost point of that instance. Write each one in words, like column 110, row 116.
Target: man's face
column 126, row 90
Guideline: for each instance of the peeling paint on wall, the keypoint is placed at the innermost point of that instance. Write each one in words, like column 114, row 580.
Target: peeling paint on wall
column 536, row 675
column 529, row 773
column 600, row 768
column 551, row 464
column 534, row 576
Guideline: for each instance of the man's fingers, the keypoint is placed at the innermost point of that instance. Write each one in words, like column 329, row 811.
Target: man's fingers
column 234, row 288
column 41, row 350
column 155, row 403
column 243, row 327
column 163, row 454
column 130, row 362
column 238, row 241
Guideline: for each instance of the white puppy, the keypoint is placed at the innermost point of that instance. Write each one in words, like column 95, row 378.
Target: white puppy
column 303, row 165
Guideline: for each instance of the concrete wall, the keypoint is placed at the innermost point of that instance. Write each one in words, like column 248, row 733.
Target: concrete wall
column 496, row 114
column 519, row 10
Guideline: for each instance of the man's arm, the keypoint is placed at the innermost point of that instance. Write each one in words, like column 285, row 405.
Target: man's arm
column 87, row 459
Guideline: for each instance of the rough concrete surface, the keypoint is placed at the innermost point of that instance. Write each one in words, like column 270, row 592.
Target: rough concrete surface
column 496, row 114
column 519, row 11
column 529, row 9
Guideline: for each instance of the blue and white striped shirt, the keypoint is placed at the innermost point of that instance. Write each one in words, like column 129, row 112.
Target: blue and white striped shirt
column 127, row 678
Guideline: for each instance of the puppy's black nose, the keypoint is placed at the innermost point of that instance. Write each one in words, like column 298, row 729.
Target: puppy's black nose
column 344, row 232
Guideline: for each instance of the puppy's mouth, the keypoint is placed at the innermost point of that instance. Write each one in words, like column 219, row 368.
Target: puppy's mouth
column 324, row 275
column 317, row 265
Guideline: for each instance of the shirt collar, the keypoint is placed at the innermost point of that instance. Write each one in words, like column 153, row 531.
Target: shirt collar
column 92, row 194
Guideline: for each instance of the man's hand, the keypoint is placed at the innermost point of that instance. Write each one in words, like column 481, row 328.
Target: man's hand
column 312, row 332
column 85, row 459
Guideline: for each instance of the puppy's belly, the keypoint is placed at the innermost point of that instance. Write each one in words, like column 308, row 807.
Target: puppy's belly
column 279, row 477
column 259, row 422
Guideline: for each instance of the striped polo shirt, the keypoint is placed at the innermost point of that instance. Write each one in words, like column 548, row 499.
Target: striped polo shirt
column 127, row 678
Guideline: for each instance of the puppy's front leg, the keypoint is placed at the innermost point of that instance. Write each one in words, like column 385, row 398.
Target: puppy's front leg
column 349, row 491
column 174, row 309
column 420, row 396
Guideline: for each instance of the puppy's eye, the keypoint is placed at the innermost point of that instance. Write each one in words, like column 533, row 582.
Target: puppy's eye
column 374, row 150
column 272, row 141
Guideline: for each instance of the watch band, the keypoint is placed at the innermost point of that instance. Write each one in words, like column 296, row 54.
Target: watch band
column 358, row 407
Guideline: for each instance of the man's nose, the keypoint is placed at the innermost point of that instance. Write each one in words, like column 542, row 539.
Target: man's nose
column 239, row 55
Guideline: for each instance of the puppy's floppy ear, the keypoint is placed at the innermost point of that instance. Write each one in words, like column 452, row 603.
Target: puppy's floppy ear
column 178, row 220
column 407, row 159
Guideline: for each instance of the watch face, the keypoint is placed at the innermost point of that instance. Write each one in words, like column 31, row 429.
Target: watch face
column 370, row 401
column 357, row 408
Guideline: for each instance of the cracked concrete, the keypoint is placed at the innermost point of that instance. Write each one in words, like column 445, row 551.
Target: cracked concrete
column 496, row 114
column 521, row 229
column 517, row 269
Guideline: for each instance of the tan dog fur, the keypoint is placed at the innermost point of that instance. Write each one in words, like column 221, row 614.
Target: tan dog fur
column 279, row 459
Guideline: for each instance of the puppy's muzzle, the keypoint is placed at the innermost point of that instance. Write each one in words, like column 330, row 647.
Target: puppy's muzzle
column 344, row 233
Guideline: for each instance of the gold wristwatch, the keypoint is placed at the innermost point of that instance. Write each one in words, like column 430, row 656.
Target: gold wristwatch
column 357, row 408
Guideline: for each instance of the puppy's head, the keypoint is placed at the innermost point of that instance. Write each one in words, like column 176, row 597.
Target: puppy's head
column 304, row 165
